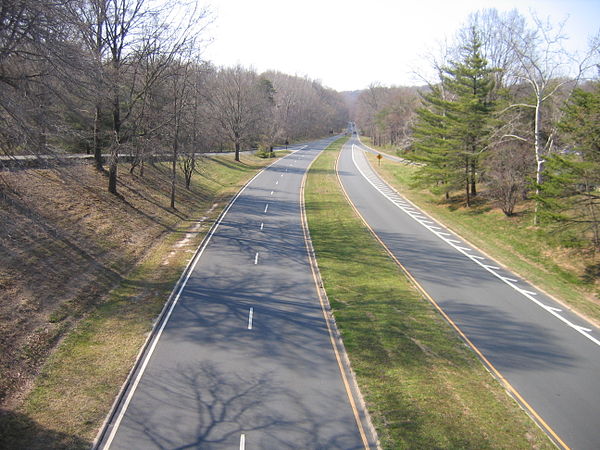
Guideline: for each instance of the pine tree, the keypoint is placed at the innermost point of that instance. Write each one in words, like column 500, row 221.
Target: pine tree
column 570, row 193
column 471, row 83
column 433, row 145
column 452, row 128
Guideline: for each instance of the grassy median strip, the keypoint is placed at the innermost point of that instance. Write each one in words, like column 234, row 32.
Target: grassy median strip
column 423, row 386
column 80, row 380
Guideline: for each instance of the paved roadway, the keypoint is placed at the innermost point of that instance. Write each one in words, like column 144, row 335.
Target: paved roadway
column 245, row 358
column 550, row 356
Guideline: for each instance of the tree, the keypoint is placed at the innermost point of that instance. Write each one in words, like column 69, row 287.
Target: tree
column 569, row 196
column 508, row 168
column 433, row 143
column 543, row 66
column 37, row 59
column 453, row 132
column 238, row 104
column 471, row 83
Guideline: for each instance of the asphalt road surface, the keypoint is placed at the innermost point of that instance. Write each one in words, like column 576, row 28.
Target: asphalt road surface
column 549, row 356
column 244, row 359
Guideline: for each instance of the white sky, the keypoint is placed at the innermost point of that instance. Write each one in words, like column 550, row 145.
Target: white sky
column 350, row 44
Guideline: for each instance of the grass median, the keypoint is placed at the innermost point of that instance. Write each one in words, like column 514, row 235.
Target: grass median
column 423, row 386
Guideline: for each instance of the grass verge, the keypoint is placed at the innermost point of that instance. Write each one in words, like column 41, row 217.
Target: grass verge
column 423, row 386
column 567, row 274
column 79, row 381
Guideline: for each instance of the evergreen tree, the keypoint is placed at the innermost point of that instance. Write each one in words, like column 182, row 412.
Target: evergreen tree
column 453, row 127
column 569, row 195
column 471, row 83
column 433, row 144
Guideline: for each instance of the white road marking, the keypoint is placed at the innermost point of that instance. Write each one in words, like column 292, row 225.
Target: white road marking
column 262, row 225
column 266, row 207
column 250, row 314
column 256, row 258
column 277, row 182
column 271, row 192
column 491, row 269
column 243, row 442
column 528, row 292
column 154, row 339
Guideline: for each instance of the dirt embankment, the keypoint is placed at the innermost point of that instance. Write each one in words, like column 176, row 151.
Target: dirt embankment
column 64, row 242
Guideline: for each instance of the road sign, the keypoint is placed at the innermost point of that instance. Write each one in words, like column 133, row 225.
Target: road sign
column 379, row 158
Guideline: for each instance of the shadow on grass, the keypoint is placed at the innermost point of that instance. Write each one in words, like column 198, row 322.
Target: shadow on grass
column 236, row 165
column 18, row 431
column 591, row 273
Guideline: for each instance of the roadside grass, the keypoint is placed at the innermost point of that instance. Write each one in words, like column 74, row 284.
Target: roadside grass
column 423, row 386
column 533, row 253
column 79, row 381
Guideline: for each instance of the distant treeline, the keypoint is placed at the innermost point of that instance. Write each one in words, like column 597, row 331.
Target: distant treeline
column 127, row 76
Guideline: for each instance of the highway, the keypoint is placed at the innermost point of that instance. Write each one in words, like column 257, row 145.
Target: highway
column 548, row 357
column 243, row 356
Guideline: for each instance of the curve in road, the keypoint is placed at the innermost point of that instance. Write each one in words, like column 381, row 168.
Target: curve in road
column 548, row 357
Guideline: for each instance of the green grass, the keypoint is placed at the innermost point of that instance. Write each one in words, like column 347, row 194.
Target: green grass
column 533, row 253
column 423, row 386
column 77, row 385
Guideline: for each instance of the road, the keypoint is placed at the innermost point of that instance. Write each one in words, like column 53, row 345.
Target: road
column 549, row 356
column 244, row 357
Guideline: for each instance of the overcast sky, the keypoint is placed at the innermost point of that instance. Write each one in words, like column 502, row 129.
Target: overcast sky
column 350, row 44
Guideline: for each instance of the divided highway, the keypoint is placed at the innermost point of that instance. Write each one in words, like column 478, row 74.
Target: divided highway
column 244, row 356
column 549, row 357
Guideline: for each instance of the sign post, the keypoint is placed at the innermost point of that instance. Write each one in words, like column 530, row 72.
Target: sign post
column 379, row 158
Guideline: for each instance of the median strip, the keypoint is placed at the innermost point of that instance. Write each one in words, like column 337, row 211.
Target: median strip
column 422, row 386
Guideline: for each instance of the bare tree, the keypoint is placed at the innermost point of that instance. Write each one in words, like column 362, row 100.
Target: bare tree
column 508, row 167
column 545, row 67
column 36, row 58
column 237, row 104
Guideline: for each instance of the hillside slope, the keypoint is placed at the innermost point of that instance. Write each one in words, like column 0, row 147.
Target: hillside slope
column 65, row 242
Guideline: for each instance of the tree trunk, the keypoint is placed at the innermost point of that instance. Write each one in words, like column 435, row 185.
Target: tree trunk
column 174, row 166
column 467, row 184
column 539, row 159
column 237, row 151
column 114, row 153
column 97, row 147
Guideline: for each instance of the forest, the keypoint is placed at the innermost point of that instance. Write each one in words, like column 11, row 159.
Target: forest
column 127, row 77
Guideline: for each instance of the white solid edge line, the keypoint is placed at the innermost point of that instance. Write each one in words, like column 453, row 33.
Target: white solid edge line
column 123, row 410
column 528, row 294
column 243, row 442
